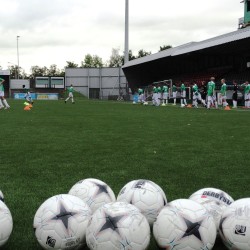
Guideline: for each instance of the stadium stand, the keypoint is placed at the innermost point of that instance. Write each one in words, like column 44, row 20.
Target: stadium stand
column 226, row 56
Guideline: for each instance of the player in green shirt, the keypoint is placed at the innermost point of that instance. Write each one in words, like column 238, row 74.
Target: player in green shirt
column 196, row 95
column 183, row 95
column 159, row 95
column 70, row 91
column 164, row 94
column 211, row 96
column 174, row 91
column 246, row 87
column 3, row 101
column 223, row 92
column 141, row 95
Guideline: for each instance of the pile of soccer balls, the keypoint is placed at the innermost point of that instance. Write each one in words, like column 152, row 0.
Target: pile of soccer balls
column 90, row 214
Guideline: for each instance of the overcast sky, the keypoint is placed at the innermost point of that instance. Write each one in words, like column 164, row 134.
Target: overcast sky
column 56, row 31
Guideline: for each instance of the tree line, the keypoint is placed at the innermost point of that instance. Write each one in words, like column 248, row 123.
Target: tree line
column 90, row 61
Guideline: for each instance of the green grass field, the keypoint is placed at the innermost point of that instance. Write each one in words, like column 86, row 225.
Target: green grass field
column 45, row 151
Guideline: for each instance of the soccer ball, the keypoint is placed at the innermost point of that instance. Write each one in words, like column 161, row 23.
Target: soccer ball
column 6, row 223
column 145, row 195
column 118, row 225
column 182, row 105
column 163, row 104
column 61, row 222
column 134, row 102
column 184, row 224
column 214, row 200
column 145, row 103
column 235, row 225
column 94, row 192
column 1, row 196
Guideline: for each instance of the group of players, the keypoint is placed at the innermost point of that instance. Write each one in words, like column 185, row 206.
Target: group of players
column 205, row 94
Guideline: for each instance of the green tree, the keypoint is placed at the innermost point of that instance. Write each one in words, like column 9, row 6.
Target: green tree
column 142, row 53
column 13, row 71
column 92, row 62
column 131, row 56
column 71, row 64
column 115, row 60
column 38, row 71
column 54, row 71
column 164, row 47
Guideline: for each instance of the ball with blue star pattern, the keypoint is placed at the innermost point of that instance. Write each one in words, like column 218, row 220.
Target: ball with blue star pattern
column 116, row 226
column 94, row 192
column 184, row 224
column 61, row 222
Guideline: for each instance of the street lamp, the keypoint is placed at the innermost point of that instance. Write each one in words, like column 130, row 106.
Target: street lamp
column 17, row 56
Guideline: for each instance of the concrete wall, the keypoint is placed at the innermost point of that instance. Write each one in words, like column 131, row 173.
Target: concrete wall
column 97, row 83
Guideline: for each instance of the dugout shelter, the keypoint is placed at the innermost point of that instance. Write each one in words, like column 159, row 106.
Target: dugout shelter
column 225, row 56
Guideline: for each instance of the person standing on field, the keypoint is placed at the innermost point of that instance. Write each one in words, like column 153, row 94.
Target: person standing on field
column 174, row 91
column 183, row 94
column 165, row 94
column 203, row 91
column 3, row 101
column 27, row 96
column 196, row 96
column 235, row 94
column 246, row 87
column 141, row 95
column 223, row 92
column 70, row 90
column 159, row 95
column 211, row 97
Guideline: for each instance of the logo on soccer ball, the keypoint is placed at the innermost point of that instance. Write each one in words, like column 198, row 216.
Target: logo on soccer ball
column 241, row 230
column 51, row 242
column 140, row 184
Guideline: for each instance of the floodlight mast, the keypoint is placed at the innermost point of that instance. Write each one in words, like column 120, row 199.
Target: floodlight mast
column 126, row 49
column 17, row 56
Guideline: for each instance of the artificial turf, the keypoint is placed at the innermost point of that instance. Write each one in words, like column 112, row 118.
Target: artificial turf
column 45, row 151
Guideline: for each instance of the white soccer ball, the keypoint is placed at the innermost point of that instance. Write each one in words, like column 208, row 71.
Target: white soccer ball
column 163, row 104
column 6, row 223
column 116, row 226
column 134, row 102
column 94, row 192
column 61, row 222
column 182, row 105
column 145, row 195
column 145, row 103
column 235, row 225
column 184, row 224
column 214, row 200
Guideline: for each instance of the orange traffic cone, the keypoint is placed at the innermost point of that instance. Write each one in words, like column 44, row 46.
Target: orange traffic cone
column 227, row 108
column 26, row 108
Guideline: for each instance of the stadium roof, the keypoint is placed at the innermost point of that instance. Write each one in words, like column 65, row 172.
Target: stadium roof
column 193, row 46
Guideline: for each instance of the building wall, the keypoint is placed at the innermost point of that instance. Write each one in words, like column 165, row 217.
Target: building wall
column 97, row 83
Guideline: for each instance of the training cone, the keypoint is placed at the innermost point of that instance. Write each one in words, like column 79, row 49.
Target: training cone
column 30, row 105
column 227, row 108
column 26, row 108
